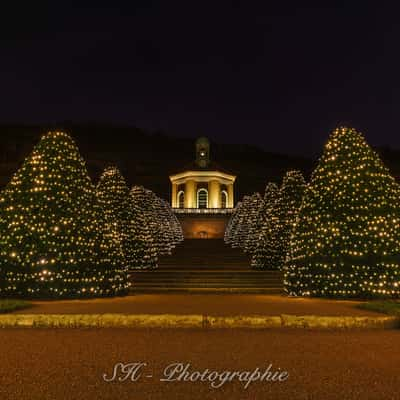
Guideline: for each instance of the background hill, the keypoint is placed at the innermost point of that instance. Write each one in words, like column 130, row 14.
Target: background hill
column 148, row 158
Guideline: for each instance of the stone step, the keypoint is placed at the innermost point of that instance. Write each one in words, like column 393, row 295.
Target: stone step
column 206, row 266
column 220, row 265
column 205, row 276
column 209, row 257
column 239, row 276
column 208, row 282
column 206, row 261
column 214, row 270
column 205, row 253
column 202, row 275
column 205, row 285
column 214, row 290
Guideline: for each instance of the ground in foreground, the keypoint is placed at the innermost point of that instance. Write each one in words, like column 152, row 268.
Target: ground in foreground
column 69, row 364
column 224, row 304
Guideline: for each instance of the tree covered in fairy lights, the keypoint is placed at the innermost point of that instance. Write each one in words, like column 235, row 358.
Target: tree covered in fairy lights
column 173, row 223
column 240, row 227
column 53, row 238
column 158, row 222
column 113, row 196
column 143, row 243
column 261, row 235
column 249, row 216
column 253, row 216
column 166, row 228
column 165, row 232
column 232, row 223
column 274, row 240
column 170, row 226
column 271, row 195
column 346, row 242
column 261, row 216
column 143, row 223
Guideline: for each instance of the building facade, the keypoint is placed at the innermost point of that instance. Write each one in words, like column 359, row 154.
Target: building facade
column 202, row 195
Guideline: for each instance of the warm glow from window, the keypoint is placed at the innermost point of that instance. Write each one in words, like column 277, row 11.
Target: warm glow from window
column 224, row 199
column 202, row 198
column 181, row 199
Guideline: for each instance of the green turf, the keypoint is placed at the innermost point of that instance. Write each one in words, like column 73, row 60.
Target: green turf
column 7, row 306
column 390, row 307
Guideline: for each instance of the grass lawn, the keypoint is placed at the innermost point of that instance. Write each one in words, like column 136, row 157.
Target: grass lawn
column 390, row 307
column 7, row 306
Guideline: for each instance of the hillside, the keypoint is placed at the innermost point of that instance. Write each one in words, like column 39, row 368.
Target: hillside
column 148, row 158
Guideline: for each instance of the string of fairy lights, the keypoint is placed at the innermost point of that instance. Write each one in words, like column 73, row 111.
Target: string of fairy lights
column 347, row 238
column 274, row 240
column 62, row 237
column 261, row 226
column 339, row 235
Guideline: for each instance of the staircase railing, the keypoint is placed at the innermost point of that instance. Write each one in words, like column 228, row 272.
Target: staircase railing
column 203, row 210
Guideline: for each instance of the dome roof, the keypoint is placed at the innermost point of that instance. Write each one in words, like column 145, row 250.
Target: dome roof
column 203, row 162
column 202, row 141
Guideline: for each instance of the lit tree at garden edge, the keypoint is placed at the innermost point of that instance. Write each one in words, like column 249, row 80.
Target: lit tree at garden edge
column 274, row 238
column 346, row 241
column 144, row 246
column 113, row 196
column 53, row 240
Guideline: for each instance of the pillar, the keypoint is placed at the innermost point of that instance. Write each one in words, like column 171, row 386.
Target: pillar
column 174, row 200
column 214, row 194
column 190, row 194
column 231, row 203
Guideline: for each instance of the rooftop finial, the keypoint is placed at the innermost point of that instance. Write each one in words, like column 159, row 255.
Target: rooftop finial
column 202, row 152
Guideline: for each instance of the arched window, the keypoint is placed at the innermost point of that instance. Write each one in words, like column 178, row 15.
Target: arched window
column 181, row 199
column 202, row 198
column 224, row 199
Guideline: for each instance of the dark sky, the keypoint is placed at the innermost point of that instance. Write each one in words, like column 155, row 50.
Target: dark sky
column 281, row 77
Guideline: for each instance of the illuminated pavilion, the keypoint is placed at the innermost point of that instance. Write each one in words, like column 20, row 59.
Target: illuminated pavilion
column 202, row 195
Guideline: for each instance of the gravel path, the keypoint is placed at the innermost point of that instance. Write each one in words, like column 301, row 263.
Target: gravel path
column 69, row 364
column 201, row 304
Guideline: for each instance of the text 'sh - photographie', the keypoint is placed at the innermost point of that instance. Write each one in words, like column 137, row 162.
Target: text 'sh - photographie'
column 199, row 201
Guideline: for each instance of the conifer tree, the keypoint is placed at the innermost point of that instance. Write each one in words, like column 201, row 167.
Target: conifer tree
column 175, row 226
column 141, row 232
column 247, row 219
column 232, row 223
column 265, row 206
column 53, row 240
column 257, row 203
column 265, row 227
column 158, row 222
column 273, row 243
column 171, row 226
column 346, row 242
column 270, row 196
column 240, row 226
column 166, row 231
column 113, row 196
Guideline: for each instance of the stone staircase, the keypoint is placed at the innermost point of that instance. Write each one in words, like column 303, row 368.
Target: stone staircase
column 206, row 266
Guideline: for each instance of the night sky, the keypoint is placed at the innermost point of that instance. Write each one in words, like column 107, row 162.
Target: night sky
column 280, row 77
